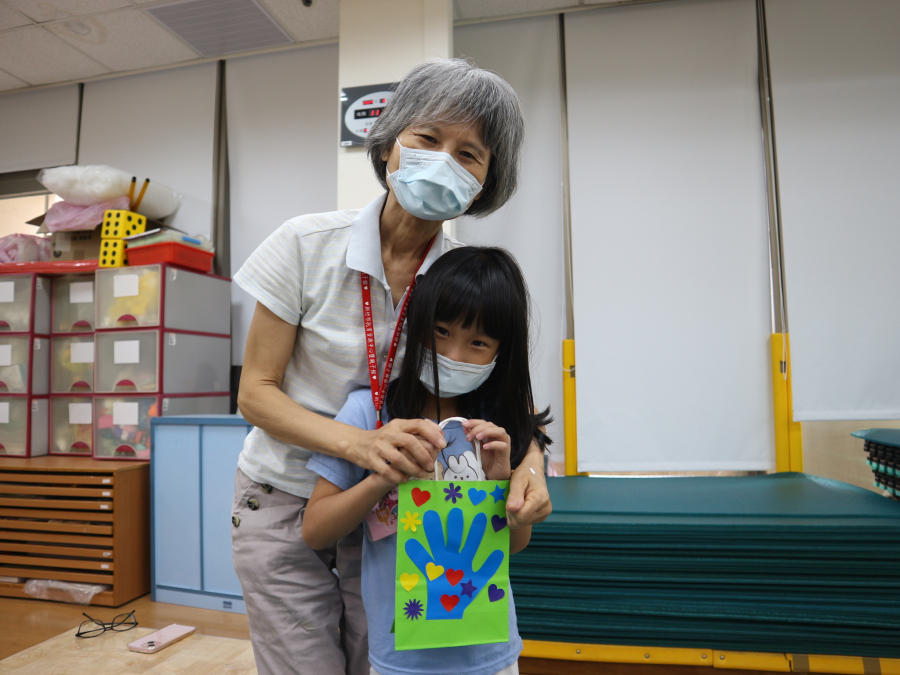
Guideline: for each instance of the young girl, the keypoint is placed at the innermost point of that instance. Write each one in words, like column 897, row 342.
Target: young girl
column 471, row 311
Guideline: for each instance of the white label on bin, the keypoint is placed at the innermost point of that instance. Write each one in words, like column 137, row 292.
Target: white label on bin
column 106, row 480
column 81, row 413
column 165, row 405
column 7, row 291
column 104, row 507
column 127, row 351
column 107, row 554
column 5, row 355
column 34, row 406
column 125, row 414
column 106, row 493
column 37, row 344
column 81, row 292
column 82, row 352
column 172, row 339
column 4, row 413
column 125, row 285
column 39, row 284
column 104, row 567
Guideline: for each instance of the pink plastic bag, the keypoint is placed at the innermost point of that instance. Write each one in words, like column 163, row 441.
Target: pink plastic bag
column 25, row 248
column 64, row 217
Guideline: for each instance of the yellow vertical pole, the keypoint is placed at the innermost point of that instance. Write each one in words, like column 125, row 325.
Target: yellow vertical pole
column 795, row 431
column 569, row 407
column 788, row 433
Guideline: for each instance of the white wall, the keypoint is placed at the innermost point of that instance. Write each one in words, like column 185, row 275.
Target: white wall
column 282, row 148
column 671, row 272
column 160, row 125
column 836, row 95
column 525, row 52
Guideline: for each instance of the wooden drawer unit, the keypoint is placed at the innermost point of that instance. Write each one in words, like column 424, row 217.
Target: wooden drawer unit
column 76, row 519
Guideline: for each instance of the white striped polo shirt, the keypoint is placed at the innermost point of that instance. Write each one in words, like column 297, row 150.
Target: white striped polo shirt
column 307, row 273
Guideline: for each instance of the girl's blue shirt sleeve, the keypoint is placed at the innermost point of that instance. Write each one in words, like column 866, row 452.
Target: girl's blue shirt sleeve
column 358, row 412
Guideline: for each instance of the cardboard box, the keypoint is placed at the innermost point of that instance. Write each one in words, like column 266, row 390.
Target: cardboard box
column 81, row 245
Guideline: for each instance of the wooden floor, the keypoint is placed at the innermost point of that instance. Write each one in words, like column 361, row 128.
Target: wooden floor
column 24, row 623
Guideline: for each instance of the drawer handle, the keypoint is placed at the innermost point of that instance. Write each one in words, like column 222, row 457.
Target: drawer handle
column 125, row 451
column 79, row 446
column 81, row 325
column 127, row 319
column 80, row 386
column 125, row 385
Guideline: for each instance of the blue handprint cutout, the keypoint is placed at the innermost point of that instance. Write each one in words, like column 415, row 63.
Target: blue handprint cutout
column 452, row 583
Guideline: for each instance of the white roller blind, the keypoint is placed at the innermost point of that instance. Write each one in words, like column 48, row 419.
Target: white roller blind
column 672, row 303
column 836, row 95
column 282, row 151
column 159, row 125
column 39, row 128
column 526, row 53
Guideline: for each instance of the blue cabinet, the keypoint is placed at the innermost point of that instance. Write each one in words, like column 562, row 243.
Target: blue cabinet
column 192, row 488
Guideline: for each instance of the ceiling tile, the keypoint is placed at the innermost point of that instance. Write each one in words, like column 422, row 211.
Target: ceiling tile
column 37, row 56
column 319, row 22
column 10, row 18
column 124, row 40
column 53, row 10
column 8, row 82
column 478, row 9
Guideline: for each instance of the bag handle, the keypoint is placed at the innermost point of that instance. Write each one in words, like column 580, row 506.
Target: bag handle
column 480, row 471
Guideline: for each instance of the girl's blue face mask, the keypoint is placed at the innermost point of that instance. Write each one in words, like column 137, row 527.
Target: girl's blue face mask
column 432, row 185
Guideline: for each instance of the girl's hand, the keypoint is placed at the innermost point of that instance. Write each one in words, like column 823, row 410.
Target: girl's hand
column 495, row 448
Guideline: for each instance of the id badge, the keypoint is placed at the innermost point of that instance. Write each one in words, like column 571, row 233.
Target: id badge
column 382, row 519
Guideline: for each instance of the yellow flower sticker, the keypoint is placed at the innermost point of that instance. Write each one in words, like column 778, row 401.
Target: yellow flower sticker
column 411, row 521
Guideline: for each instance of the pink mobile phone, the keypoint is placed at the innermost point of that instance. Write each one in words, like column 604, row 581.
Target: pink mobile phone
column 150, row 644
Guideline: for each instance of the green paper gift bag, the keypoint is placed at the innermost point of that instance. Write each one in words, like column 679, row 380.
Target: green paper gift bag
column 452, row 576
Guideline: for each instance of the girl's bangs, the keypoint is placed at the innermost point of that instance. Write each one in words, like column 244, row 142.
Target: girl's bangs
column 476, row 295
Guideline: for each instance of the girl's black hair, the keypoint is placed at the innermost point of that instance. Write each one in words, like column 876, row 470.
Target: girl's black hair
column 480, row 286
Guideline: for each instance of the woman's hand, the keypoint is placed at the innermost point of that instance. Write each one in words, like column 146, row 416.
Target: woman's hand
column 495, row 448
column 399, row 450
column 529, row 501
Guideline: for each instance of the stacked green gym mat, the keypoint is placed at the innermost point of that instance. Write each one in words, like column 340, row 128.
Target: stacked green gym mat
column 776, row 563
column 883, row 448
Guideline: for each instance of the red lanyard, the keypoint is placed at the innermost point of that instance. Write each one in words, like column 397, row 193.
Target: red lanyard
column 378, row 393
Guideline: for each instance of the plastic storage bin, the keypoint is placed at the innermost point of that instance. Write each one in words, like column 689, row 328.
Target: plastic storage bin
column 71, row 426
column 23, row 426
column 73, row 304
column 191, row 483
column 25, row 303
column 122, row 424
column 129, row 361
column 72, row 364
column 173, row 252
column 163, row 295
column 24, row 364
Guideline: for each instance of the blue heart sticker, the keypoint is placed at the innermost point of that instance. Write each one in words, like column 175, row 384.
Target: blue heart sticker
column 477, row 496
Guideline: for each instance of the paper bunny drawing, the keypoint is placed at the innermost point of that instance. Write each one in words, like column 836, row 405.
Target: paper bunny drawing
column 461, row 467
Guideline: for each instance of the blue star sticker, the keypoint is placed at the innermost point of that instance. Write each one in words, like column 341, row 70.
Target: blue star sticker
column 468, row 588
column 497, row 493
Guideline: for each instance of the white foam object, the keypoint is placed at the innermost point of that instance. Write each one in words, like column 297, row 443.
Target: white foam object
column 88, row 185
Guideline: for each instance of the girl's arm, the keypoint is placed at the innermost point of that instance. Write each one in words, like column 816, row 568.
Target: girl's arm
column 519, row 538
column 331, row 513
column 406, row 444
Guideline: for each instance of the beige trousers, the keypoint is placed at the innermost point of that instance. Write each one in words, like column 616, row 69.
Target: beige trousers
column 304, row 618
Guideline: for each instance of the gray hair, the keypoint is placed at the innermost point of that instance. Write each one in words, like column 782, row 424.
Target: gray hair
column 454, row 91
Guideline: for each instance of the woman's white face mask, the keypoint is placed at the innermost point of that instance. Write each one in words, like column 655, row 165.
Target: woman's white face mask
column 454, row 377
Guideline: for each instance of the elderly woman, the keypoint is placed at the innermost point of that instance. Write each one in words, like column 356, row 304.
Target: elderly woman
column 331, row 291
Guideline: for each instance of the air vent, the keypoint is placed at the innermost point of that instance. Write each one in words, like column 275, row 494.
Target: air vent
column 218, row 27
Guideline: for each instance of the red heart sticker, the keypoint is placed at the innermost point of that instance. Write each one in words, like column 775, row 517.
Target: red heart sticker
column 449, row 602
column 454, row 576
column 420, row 496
